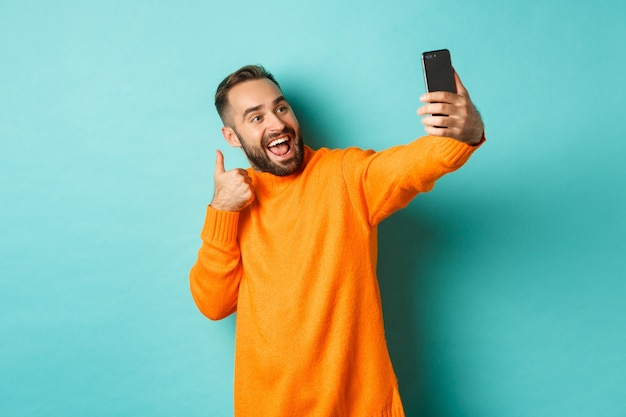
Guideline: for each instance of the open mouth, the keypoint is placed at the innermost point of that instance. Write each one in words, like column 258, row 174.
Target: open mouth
column 280, row 146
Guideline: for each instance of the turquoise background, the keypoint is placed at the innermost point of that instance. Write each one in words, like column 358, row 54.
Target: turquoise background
column 504, row 289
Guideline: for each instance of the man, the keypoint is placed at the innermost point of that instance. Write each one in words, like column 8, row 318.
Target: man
column 291, row 246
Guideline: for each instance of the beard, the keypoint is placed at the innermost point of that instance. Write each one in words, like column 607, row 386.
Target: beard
column 260, row 161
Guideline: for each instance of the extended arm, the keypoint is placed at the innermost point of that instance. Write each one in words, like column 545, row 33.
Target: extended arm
column 381, row 183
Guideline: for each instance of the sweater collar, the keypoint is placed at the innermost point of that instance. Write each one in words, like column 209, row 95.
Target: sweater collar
column 264, row 181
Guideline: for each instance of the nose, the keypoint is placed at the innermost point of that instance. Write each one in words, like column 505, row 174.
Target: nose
column 275, row 123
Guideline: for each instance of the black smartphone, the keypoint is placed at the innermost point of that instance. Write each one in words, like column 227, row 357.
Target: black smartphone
column 437, row 67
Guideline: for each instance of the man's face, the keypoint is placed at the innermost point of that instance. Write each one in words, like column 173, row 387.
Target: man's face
column 262, row 123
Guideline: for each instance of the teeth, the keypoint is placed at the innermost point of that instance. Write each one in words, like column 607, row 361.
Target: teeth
column 277, row 142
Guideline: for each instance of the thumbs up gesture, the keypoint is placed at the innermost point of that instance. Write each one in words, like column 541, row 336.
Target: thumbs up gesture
column 233, row 190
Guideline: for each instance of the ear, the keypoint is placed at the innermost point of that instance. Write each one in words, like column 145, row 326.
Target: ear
column 231, row 137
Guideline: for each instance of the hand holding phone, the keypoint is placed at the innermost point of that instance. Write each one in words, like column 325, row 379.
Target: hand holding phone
column 438, row 73
column 463, row 122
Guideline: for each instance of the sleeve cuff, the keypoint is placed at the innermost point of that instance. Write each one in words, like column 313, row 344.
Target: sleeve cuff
column 455, row 153
column 220, row 226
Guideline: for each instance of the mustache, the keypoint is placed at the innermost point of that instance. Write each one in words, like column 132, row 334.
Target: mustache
column 287, row 130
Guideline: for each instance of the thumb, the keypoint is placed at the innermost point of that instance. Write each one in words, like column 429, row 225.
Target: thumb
column 219, row 162
column 460, row 88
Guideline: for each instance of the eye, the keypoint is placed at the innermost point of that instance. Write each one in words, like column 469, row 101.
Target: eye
column 282, row 109
column 256, row 119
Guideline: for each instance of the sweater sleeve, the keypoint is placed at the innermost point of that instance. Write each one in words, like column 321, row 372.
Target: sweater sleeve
column 216, row 274
column 380, row 183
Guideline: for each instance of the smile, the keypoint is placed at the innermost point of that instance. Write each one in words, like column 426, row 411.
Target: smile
column 280, row 146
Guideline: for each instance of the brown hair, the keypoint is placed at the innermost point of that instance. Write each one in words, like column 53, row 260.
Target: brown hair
column 246, row 73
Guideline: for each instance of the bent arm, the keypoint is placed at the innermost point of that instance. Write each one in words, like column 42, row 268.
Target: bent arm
column 215, row 277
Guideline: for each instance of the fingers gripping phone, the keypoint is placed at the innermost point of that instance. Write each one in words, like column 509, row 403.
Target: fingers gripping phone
column 438, row 74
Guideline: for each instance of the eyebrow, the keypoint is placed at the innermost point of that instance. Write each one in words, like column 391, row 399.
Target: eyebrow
column 260, row 106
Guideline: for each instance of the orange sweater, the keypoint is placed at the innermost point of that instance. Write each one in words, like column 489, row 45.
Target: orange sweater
column 299, row 267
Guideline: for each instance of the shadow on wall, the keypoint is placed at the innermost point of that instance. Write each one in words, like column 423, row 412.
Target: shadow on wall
column 312, row 130
column 407, row 243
